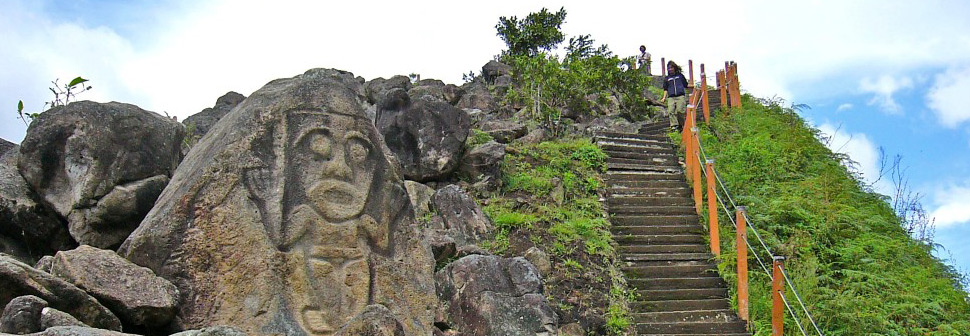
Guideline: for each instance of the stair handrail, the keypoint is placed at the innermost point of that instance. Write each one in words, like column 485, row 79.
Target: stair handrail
column 701, row 156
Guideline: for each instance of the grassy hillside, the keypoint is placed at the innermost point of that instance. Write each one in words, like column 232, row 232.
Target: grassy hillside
column 859, row 271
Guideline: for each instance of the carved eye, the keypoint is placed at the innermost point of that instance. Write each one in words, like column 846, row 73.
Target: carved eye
column 357, row 150
column 321, row 145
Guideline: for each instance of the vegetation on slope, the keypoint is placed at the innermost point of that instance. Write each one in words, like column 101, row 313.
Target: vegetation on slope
column 550, row 199
column 849, row 254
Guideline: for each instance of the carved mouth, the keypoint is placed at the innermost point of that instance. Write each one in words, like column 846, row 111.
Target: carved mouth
column 338, row 200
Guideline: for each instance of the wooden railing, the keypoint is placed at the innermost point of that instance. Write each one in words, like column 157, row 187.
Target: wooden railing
column 729, row 89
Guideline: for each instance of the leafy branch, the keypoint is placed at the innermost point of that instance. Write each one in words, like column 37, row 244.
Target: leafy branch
column 63, row 95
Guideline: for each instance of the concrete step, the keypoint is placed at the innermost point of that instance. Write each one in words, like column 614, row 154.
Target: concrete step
column 645, row 257
column 683, row 294
column 691, row 328
column 660, row 137
column 698, row 270
column 644, row 153
column 646, row 220
column 670, row 283
column 680, row 305
column 678, row 248
column 654, row 160
column 653, row 210
column 636, row 176
column 643, row 184
column 635, row 145
column 664, row 167
column 637, row 200
column 709, row 315
column 664, row 239
column 621, row 191
column 621, row 230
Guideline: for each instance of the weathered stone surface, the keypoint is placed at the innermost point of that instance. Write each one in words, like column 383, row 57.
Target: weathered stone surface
column 436, row 90
column 45, row 263
column 6, row 146
column 116, row 214
column 22, row 315
column 572, row 329
column 442, row 245
column 79, row 331
column 460, row 216
column 477, row 96
column 289, row 218
column 504, row 131
column 31, row 229
column 376, row 320
column 375, row 89
column 493, row 69
column 200, row 123
column 50, row 317
column 133, row 292
column 75, row 155
column 539, row 259
column 420, row 196
column 483, row 164
column 535, row 136
column 18, row 279
column 427, row 137
column 608, row 124
column 490, row 295
column 212, row 331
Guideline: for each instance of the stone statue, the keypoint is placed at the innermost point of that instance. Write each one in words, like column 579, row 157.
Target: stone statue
column 289, row 218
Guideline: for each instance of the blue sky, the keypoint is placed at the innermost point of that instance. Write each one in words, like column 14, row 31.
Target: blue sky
column 877, row 74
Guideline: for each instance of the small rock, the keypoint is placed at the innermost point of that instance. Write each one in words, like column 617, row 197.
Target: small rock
column 420, row 196
column 375, row 320
column 22, row 315
column 133, row 292
column 540, row 259
column 50, row 317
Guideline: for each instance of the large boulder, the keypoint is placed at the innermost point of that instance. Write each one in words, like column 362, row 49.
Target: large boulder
column 477, row 97
column 376, row 88
column 22, row 315
column 199, row 124
column 289, row 218
column 491, row 295
column 426, row 136
column 436, row 90
column 460, row 216
column 28, row 230
column 504, row 131
column 6, row 146
column 100, row 165
column 495, row 69
column 78, row 331
column 133, row 292
column 483, row 165
column 19, row 279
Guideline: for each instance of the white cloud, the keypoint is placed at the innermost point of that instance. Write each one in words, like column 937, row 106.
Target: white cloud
column 952, row 205
column 883, row 89
column 860, row 149
column 844, row 107
column 949, row 98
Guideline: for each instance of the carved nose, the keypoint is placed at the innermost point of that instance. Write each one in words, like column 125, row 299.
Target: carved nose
column 337, row 167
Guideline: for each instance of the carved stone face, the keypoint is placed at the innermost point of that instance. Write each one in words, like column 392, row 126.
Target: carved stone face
column 337, row 165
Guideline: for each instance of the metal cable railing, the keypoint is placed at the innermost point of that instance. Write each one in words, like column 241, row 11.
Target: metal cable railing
column 701, row 156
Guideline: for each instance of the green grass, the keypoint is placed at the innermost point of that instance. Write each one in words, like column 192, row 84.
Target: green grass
column 550, row 199
column 850, row 258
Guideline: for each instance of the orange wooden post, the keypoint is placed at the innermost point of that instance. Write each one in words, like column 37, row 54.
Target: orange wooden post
column 713, row 227
column 690, row 69
column 741, row 243
column 663, row 67
column 777, row 288
column 722, row 87
column 706, row 102
column 737, row 84
column 728, row 84
column 696, row 171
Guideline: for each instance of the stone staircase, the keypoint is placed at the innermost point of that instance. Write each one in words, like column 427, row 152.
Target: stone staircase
column 661, row 242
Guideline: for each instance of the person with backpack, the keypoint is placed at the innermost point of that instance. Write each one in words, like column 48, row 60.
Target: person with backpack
column 675, row 88
column 644, row 60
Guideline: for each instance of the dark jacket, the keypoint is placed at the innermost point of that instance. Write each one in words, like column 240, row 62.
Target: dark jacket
column 675, row 85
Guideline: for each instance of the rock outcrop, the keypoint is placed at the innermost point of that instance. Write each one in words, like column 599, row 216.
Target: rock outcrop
column 483, row 165
column 101, row 166
column 200, row 123
column 133, row 292
column 459, row 216
column 490, row 295
column 28, row 230
column 290, row 218
column 19, row 279
column 426, row 136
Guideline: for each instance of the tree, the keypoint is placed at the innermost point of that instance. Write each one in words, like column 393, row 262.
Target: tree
column 537, row 32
